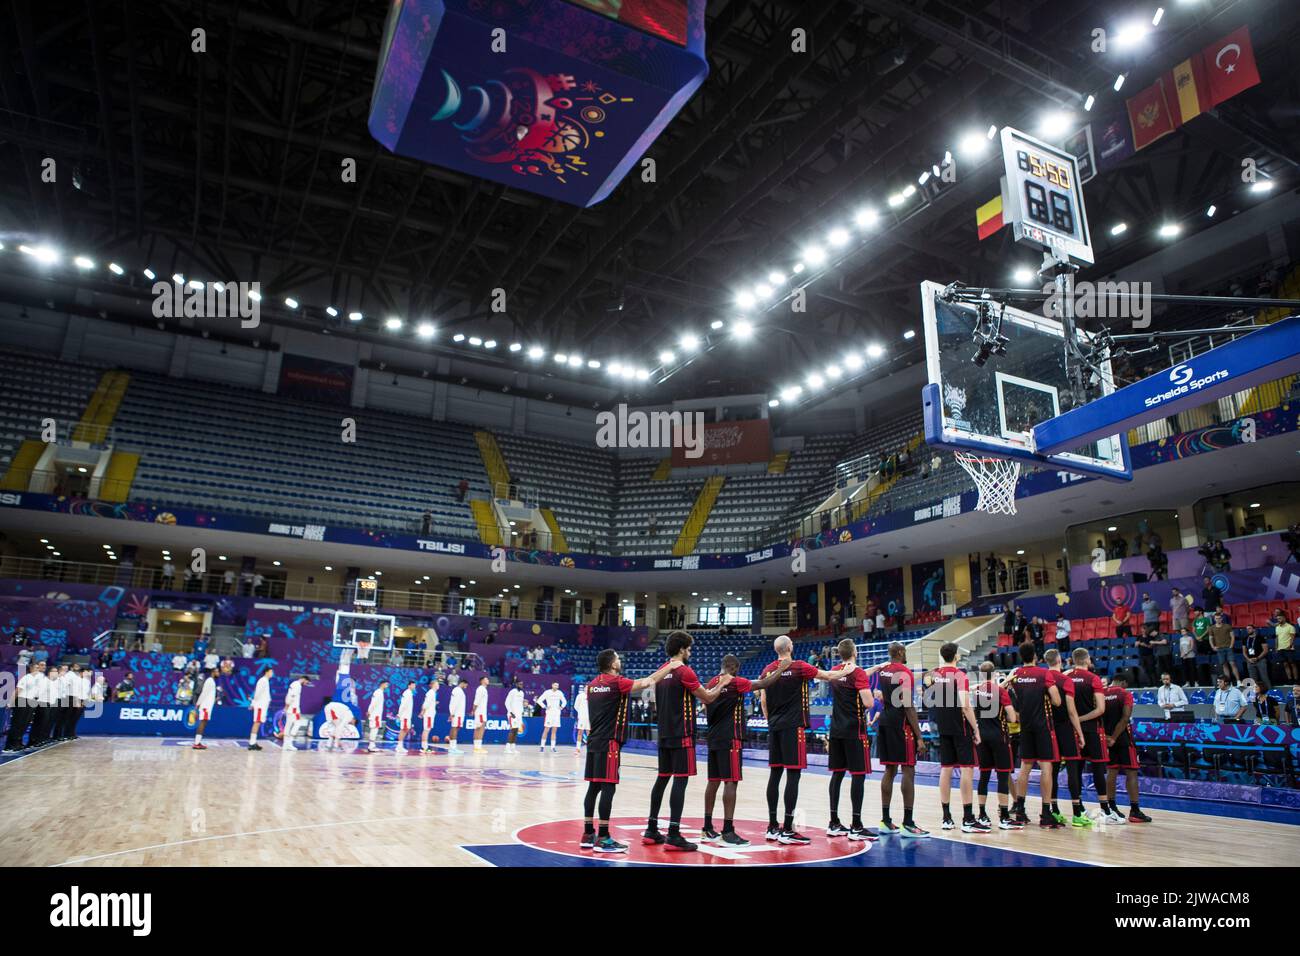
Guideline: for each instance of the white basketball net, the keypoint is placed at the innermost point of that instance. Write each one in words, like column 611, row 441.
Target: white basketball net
column 996, row 480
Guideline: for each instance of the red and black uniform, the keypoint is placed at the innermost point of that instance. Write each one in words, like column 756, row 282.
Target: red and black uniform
column 994, row 751
column 1123, row 754
column 1066, row 743
column 726, row 717
column 787, row 715
column 676, row 707
column 607, row 708
column 956, row 741
column 1088, row 687
column 849, row 747
column 895, row 742
column 1029, row 688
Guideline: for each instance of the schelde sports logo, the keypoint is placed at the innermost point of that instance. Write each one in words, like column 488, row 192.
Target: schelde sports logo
column 76, row 909
column 1184, row 380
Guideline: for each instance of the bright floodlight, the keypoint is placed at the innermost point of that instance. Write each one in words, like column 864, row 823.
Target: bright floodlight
column 762, row 291
column 745, row 299
column 255, row 295
column 536, row 352
column 575, row 361
column 789, row 394
column 1055, row 123
column 490, row 344
column 475, row 341
column 290, row 301
column 1119, row 82
column 773, row 402
column 150, row 274
column 45, row 255
column 1170, row 229
column 82, row 262
column 923, row 178
column 853, row 362
column 1261, row 186
column 331, row 311
column 593, row 363
column 875, row 351
column 1119, row 228
column 776, row 278
column 815, row 380
column 1130, row 35
column 715, row 324
column 178, row 278
column 1158, row 16
column 814, row 255
column 896, row 200
column 910, row 334
column 797, row 268
column 392, row 323
column 909, row 191
column 425, row 330
column 1087, row 104
column 356, row 317
column 515, row 347
column 838, row 236
column 666, row 357
column 614, row 368
column 865, row 217
column 561, row 358
column 972, row 144
column 458, row 337
column 1212, row 210
column 742, row 329
column 1024, row 275
column 834, row 371
column 689, row 342
column 992, row 131
column 642, row 375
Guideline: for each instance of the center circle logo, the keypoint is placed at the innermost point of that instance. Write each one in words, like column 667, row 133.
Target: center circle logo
column 561, row 836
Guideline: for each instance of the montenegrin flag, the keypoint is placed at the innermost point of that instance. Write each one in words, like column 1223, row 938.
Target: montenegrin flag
column 988, row 217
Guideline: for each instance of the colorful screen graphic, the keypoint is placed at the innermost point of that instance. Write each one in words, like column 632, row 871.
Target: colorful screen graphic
column 663, row 18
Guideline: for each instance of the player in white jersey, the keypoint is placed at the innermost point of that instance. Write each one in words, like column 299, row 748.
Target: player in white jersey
column 554, row 702
column 480, row 712
column 456, row 711
column 428, row 713
column 375, row 716
column 261, row 706
column 514, row 715
column 583, row 724
column 337, row 718
column 292, row 711
column 405, row 711
column 206, row 702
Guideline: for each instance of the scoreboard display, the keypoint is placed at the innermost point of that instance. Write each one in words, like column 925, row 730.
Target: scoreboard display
column 663, row 18
column 366, row 593
column 1044, row 200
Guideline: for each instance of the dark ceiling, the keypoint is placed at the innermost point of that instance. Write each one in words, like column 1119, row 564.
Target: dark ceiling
column 226, row 163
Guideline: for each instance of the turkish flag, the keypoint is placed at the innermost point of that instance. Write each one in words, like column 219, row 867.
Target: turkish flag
column 1230, row 66
column 1149, row 115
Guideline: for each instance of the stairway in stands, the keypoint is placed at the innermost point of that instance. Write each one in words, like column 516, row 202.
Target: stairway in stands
column 699, row 516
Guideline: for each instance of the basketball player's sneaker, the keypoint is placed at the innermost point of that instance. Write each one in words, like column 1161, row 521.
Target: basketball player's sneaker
column 792, row 838
column 1082, row 821
column 254, row 746
column 710, row 835
column 455, row 750
column 199, row 747
column 555, row 750
column 675, row 841
column 772, row 833
column 651, row 836
column 836, row 829
column 949, row 824
column 588, row 840
column 915, row 832
column 974, row 826
column 1059, row 817
column 984, row 821
column 887, row 828
column 1010, row 823
column 861, row 835
column 609, row 845
column 1048, row 822
column 1137, row 816
column 732, row 838
column 1114, row 816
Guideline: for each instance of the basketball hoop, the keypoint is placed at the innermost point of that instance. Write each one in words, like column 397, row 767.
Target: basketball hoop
column 996, row 480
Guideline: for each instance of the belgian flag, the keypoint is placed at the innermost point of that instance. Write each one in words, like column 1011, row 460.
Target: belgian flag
column 988, row 217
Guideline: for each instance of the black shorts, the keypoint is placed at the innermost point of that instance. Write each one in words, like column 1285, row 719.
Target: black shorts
column 677, row 761
column 852, row 754
column 1066, row 744
column 725, row 766
column 895, row 745
column 1094, row 745
column 603, row 761
column 787, row 748
column 1038, row 743
column 957, row 750
column 994, row 750
column 1123, row 755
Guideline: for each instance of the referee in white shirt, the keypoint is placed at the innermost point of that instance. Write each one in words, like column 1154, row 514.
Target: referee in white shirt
column 1170, row 696
column 27, row 699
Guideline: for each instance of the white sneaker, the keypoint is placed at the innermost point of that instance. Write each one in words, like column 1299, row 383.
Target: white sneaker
column 555, row 750
column 1113, row 817
column 455, row 750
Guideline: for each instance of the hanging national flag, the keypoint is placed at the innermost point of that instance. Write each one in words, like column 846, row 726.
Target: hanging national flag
column 1113, row 139
column 1149, row 115
column 988, row 217
column 1190, row 88
column 1230, row 66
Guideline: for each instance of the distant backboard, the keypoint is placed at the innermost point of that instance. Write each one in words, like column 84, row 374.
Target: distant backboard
column 994, row 407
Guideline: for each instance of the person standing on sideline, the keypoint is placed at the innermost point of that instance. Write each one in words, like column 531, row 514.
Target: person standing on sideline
column 1187, row 656
column 27, row 696
column 1284, row 635
column 582, row 724
column 514, row 715
column 260, row 705
column 428, row 713
column 1255, row 647
column 553, row 702
column 480, row 713
column 1169, row 696
column 375, row 716
column 207, row 700
column 456, row 713
column 405, row 713
column 1063, row 634
column 1223, row 641
column 1178, row 617
column 292, row 711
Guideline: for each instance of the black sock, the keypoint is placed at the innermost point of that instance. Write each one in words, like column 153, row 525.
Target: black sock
column 907, row 817
column 789, row 822
column 1004, row 813
column 947, row 813
column 603, row 833
column 587, row 827
column 1078, row 808
column 967, row 815
column 773, row 795
column 708, row 821
column 727, row 827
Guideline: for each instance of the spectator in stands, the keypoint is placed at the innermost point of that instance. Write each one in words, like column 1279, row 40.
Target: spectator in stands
column 137, row 644
column 156, row 647
column 1266, row 708
column 1291, row 538
column 462, row 489
column 1211, row 596
column 1222, row 557
column 1063, row 634
column 1284, row 639
column 125, row 689
column 1162, row 648
column 1020, row 627
column 106, row 658
column 263, row 648
column 1222, row 642
column 991, row 573
column 1255, row 648
column 1120, row 618
column 184, row 689
column 1009, row 618
column 426, row 522
column 1146, row 659
column 200, row 648
column 1038, row 634
column 1118, row 549
column 1170, row 696
column 853, row 604
column 228, row 581
column 1293, row 706
column 1150, row 613
column 1002, row 575
column 1229, row 703
column 1177, row 611
column 1187, row 655
column 168, row 574
column 259, row 583
column 210, row 660
column 880, row 620
column 178, row 662
column 1158, row 560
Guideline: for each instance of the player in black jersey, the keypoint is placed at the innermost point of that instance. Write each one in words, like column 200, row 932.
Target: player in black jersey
column 1090, row 704
column 848, row 746
column 994, row 712
column 1069, row 741
column 675, row 704
column 1034, row 692
column 607, row 707
column 899, row 740
column 948, row 701
column 726, row 742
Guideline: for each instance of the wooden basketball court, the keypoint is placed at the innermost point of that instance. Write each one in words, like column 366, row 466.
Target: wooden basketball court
column 155, row 802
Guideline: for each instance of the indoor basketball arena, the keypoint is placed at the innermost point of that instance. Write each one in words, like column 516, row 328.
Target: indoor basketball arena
column 628, row 435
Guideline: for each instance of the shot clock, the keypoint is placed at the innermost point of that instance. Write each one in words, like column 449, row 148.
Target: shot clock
column 366, row 592
column 1044, row 200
